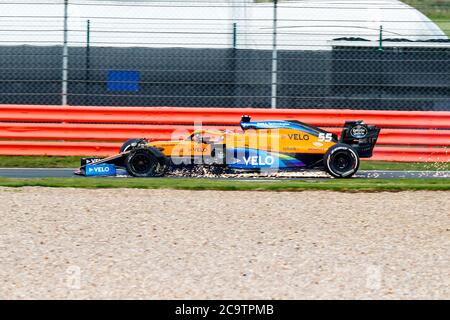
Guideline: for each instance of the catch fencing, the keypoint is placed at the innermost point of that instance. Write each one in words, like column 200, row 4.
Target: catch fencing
column 368, row 55
column 99, row 131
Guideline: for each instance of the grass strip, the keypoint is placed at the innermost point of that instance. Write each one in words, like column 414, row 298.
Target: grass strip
column 39, row 162
column 405, row 166
column 349, row 185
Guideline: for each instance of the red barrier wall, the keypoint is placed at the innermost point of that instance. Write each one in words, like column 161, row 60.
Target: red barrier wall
column 405, row 135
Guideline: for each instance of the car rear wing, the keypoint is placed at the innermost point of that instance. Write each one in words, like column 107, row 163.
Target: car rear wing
column 360, row 136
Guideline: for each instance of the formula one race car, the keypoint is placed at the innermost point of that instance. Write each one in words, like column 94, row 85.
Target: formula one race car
column 261, row 145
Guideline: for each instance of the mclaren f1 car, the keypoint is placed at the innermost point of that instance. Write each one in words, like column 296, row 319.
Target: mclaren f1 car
column 259, row 145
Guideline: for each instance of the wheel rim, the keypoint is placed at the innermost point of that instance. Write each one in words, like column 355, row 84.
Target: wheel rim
column 141, row 164
column 342, row 162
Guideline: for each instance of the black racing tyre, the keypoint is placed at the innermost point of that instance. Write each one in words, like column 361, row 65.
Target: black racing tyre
column 127, row 144
column 341, row 161
column 142, row 163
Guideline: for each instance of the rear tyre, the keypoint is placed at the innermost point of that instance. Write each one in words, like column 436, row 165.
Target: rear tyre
column 142, row 163
column 341, row 161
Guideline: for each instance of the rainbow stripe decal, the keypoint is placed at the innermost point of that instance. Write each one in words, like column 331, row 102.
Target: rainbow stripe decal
column 243, row 158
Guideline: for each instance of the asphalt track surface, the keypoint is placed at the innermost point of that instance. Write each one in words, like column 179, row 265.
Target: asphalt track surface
column 372, row 174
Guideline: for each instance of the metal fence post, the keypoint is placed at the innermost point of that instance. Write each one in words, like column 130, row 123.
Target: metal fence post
column 234, row 35
column 65, row 57
column 88, row 61
column 380, row 40
column 274, row 56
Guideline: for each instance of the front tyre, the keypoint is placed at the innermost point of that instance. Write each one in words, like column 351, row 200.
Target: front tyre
column 341, row 161
column 130, row 144
column 142, row 163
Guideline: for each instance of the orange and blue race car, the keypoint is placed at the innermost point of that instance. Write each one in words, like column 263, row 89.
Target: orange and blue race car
column 258, row 146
